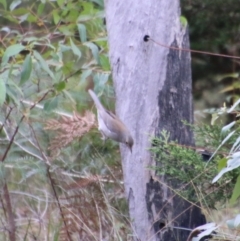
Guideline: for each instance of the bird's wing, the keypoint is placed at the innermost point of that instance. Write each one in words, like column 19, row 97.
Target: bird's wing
column 112, row 122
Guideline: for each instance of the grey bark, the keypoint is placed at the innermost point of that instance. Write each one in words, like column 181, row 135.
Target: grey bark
column 153, row 92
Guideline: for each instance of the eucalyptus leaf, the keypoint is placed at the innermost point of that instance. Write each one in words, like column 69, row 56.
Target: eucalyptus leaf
column 222, row 163
column 75, row 49
column 236, row 191
column 99, row 2
column 84, row 75
column 51, row 104
column 43, row 63
column 11, row 93
column 100, row 79
column 104, row 60
column 60, row 2
column 56, row 17
column 60, row 86
column 11, row 51
column 94, row 50
column 14, row 4
column 26, row 69
column 4, row 3
column 232, row 164
column 3, row 171
column 82, row 32
column 2, row 92
column 40, row 8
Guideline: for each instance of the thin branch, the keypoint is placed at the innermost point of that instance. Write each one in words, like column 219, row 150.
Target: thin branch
column 6, row 195
column 8, row 114
column 58, row 203
column 11, row 221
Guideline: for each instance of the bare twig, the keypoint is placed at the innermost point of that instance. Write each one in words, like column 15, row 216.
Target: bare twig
column 11, row 221
column 58, row 203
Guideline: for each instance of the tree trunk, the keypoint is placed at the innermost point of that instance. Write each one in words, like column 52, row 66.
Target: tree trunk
column 153, row 92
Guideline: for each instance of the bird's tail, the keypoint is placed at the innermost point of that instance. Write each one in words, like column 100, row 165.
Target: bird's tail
column 95, row 99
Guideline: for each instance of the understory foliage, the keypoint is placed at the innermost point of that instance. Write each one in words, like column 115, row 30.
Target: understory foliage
column 193, row 167
column 215, row 79
column 207, row 174
column 59, row 181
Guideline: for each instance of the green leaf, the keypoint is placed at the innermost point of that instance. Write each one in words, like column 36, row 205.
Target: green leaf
column 60, row 86
column 26, row 69
column 11, row 51
column 82, row 32
column 43, row 63
column 215, row 116
column 2, row 92
column 14, row 4
column 4, row 3
column 64, row 48
column 94, row 50
column 60, row 2
column 183, row 21
column 99, row 2
column 224, row 76
column 84, row 75
column 75, row 49
column 51, row 104
column 104, row 61
column 32, row 18
column 23, row 18
column 40, row 8
column 88, row 9
column 222, row 163
column 236, row 191
column 67, row 30
column 56, row 16
column 14, row 92
column 72, row 15
column 232, row 164
column 100, row 79
column 20, row 11
column 3, row 171
column 12, row 95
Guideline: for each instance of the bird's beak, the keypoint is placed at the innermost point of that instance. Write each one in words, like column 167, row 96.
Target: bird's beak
column 130, row 147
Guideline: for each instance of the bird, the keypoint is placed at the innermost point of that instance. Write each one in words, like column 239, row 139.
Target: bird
column 110, row 125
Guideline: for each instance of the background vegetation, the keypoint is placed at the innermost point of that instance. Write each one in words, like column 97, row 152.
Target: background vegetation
column 214, row 27
column 58, row 180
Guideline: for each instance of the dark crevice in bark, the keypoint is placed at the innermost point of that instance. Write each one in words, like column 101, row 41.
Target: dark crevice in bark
column 175, row 105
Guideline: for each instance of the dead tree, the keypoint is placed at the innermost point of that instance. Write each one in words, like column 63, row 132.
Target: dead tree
column 153, row 92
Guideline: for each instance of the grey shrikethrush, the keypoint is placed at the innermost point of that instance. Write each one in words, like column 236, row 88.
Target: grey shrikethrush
column 110, row 125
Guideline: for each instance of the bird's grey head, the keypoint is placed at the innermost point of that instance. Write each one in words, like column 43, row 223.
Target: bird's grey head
column 129, row 142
